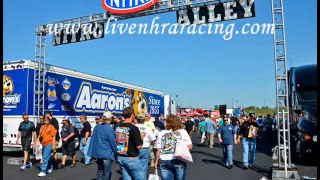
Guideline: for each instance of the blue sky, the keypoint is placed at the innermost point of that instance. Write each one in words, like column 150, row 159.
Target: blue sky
column 203, row 70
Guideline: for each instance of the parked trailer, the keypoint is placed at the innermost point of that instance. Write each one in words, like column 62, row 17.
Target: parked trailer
column 72, row 93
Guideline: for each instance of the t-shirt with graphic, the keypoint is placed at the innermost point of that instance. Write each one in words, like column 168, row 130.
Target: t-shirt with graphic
column 47, row 132
column 146, row 135
column 86, row 127
column 247, row 129
column 166, row 141
column 128, row 138
column 150, row 125
column 227, row 133
column 26, row 129
column 66, row 131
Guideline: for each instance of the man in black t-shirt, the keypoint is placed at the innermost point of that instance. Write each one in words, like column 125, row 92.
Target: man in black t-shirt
column 68, row 144
column 85, row 134
column 55, row 123
column 189, row 126
column 25, row 132
column 234, row 122
column 249, row 131
column 196, row 124
column 128, row 144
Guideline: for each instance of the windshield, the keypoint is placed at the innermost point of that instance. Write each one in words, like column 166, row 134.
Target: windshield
column 308, row 97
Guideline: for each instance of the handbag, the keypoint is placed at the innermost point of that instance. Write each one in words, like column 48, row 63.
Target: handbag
column 38, row 151
column 154, row 176
column 203, row 137
column 182, row 151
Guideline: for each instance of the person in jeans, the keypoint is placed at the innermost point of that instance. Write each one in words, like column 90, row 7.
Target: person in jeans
column 249, row 131
column 227, row 136
column 39, row 124
column 169, row 167
column 55, row 123
column 210, row 131
column 128, row 144
column 85, row 138
column 148, row 123
column 196, row 124
column 189, row 126
column 68, row 143
column 26, row 132
column 47, row 138
column 148, row 138
column 234, row 122
column 103, row 147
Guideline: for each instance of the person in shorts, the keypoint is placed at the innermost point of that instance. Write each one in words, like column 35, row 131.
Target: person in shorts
column 25, row 132
column 68, row 143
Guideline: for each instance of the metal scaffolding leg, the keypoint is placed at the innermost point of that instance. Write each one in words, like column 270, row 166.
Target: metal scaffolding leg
column 39, row 72
column 283, row 169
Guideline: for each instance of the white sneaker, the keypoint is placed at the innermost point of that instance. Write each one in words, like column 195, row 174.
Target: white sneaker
column 49, row 171
column 41, row 174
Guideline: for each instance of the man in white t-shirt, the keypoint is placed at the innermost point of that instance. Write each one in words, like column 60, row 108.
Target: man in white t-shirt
column 149, row 123
column 148, row 138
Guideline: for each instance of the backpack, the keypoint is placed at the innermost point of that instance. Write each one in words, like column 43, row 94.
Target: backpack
column 76, row 132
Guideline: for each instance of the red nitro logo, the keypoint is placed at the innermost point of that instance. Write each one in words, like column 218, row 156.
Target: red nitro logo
column 127, row 6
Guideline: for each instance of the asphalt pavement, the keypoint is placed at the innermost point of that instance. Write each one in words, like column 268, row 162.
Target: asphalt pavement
column 207, row 165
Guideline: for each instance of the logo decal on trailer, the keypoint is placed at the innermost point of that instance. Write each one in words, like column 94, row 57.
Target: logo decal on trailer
column 127, row 6
column 52, row 95
column 66, row 84
column 51, row 106
column 66, row 97
column 10, row 99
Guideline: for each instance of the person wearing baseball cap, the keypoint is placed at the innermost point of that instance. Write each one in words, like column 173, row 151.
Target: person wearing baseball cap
column 68, row 143
column 148, row 123
column 103, row 146
column 107, row 117
column 98, row 119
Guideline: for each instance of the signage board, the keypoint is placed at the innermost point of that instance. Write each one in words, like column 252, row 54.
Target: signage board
column 217, row 12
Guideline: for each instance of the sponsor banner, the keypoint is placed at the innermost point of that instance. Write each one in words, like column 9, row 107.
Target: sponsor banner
column 74, row 96
column 15, row 92
column 217, row 12
column 127, row 6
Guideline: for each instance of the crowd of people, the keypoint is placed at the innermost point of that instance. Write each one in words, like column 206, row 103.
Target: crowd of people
column 230, row 131
column 136, row 142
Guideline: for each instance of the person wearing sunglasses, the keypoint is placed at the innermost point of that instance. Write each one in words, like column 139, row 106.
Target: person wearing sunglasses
column 227, row 137
column 47, row 138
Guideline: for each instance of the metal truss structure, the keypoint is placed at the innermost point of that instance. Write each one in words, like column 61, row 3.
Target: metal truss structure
column 284, row 166
column 164, row 6
column 39, row 72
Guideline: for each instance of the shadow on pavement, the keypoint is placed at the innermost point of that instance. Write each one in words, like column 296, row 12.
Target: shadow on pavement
column 13, row 153
column 206, row 154
column 265, row 171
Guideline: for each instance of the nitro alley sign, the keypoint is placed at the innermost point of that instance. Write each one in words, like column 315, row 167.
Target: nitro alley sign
column 217, row 12
column 127, row 6
column 78, row 34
